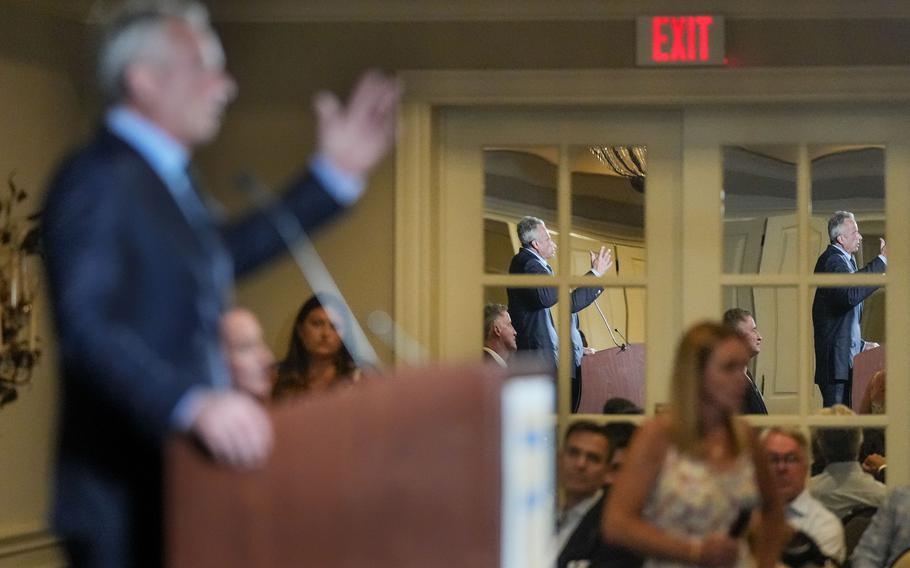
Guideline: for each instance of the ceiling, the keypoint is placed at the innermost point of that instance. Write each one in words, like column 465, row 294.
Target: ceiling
column 492, row 10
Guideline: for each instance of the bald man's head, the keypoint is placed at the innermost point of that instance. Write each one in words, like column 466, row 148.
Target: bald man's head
column 249, row 359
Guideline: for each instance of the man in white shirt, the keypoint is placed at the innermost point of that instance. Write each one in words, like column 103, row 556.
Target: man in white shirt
column 788, row 455
column 843, row 485
column 499, row 337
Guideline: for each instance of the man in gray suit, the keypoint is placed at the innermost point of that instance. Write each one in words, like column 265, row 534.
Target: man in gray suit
column 530, row 307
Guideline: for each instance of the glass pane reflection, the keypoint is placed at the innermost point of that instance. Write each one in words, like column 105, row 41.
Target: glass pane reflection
column 612, row 332
column 608, row 201
column 849, row 341
column 760, row 222
column 518, row 181
column 849, row 178
column 767, row 316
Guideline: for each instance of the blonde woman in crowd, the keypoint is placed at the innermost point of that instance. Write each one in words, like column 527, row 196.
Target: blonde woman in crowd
column 695, row 478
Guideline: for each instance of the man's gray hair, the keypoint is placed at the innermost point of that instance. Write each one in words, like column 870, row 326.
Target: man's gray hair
column 527, row 230
column 734, row 316
column 491, row 313
column 839, row 444
column 836, row 224
column 136, row 30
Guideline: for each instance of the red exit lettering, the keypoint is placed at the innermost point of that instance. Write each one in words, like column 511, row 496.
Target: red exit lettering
column 680, row 38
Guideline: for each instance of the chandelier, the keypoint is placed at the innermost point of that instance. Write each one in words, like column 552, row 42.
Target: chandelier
column 19, row 246
column 630, row 162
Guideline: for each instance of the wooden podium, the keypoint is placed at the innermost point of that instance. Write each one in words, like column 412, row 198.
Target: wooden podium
column 398, row 472
column 610, row 373
column 865, row 364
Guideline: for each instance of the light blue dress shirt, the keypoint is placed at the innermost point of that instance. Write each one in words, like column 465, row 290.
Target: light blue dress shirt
column 170, row 160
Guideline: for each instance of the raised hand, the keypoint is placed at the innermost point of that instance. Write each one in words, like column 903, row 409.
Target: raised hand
column 602, row 261
column 356, row 137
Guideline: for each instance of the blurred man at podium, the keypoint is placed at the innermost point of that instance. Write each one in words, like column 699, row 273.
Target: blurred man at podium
column 140, row 273
column 530, row 307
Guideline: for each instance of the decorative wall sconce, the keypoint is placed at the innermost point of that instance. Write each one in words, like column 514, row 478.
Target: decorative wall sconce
column 19, row 249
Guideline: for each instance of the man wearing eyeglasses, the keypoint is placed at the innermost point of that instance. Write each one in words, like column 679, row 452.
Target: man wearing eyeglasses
column 788, row 458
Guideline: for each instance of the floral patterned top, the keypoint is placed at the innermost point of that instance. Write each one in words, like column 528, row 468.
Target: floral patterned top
column 691, row 499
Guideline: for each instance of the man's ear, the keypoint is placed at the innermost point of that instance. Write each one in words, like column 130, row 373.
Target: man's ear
column 497, row 330
column 140, row 82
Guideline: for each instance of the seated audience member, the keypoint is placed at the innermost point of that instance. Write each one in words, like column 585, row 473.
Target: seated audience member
column 787, row 451
column 316, row 360
column 888, row 535
column 498, row 334
column 843, row 485
column 743, row 322
column 619, row 405
column 620, row 435
column 249, row 359
column 873, row 401
column 583, row 469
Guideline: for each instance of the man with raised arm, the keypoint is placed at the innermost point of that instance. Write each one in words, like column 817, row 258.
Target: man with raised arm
column 140, row 273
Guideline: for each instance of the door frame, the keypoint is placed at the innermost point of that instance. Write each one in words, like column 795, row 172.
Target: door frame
column 708, row 98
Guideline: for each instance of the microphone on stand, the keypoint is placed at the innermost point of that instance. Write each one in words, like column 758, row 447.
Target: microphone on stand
column 622, row 347
column 625, row 342
column 311, row 266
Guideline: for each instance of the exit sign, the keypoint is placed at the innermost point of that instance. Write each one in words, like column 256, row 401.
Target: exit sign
column 680, row 40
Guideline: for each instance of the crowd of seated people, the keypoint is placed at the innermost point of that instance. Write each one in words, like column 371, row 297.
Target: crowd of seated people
column 678, row 485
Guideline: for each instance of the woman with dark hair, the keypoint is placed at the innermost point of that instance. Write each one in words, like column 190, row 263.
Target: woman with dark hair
column 693, row 476
column 316, row 359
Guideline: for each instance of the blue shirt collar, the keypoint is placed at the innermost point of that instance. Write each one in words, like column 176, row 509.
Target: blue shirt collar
column 540, row 258
column 841, row 250
column 168, row 157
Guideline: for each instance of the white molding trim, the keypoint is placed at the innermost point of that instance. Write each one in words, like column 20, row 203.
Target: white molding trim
column 543, row 10
column 295, row 11
column 414, row 309
column 28, row 542
column 661, row 87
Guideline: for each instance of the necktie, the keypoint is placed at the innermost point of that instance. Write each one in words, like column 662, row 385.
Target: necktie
column 852, row 264
column 216, row 267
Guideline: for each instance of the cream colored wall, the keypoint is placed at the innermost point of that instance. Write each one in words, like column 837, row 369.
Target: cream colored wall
column 41, row 118
column 274, row 144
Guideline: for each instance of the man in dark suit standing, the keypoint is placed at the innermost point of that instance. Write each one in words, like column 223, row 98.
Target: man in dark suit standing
column 530, row 307
column 742, row 321
column 140, row 274
column 836, row 311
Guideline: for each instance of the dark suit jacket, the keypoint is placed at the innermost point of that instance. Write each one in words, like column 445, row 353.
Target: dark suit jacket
column 137, row 305
column 529, row 309
column 753, row 401
column 835, row 319
column 586, row 543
